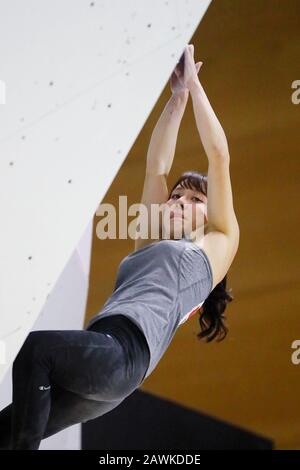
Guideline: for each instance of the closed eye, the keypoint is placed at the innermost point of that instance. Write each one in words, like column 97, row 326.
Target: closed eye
column 194, row 197
column 197, row 199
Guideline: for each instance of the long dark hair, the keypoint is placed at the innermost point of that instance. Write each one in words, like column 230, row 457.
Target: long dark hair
column 212, row 318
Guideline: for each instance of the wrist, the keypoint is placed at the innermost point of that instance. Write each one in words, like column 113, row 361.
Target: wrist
column 195, row 86
column 181, row 95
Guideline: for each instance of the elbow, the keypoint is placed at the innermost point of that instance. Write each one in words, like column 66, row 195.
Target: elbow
column 236, row 234
column 233, row 233
column 231, row 229
column 219, row 153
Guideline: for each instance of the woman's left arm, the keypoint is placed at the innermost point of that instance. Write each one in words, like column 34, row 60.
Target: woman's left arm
column 220, row 210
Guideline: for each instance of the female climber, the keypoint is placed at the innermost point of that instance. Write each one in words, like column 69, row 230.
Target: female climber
column 61, row 378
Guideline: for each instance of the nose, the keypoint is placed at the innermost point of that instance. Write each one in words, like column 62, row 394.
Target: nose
column 178, row 205
column 181, row 201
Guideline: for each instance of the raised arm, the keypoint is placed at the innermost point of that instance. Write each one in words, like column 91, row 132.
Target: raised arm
column 160, row 155
column 221, row 239
column 163, row 140
column 220, row 210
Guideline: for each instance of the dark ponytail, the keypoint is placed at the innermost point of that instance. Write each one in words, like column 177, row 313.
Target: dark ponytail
column 212, row 318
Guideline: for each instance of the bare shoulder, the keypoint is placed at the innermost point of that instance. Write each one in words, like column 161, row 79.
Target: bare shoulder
column 220, row 249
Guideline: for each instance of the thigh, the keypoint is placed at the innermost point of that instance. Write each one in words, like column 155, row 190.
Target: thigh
column 68, row 408
column 91, row 364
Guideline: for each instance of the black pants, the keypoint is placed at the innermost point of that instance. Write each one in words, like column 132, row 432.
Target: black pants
column 64, row 377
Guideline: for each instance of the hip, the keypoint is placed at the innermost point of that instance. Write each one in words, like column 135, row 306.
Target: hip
column 131, row 338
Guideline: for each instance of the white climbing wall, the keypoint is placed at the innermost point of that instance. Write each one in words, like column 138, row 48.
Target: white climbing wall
column 80, row 79
column 64, row 310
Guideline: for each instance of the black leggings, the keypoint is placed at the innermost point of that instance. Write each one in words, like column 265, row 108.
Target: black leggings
column 64, row 377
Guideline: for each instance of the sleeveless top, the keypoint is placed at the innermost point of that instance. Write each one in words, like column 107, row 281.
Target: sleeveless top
column 159, row 287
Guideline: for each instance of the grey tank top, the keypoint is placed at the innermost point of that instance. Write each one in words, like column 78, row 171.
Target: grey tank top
column 159, row 287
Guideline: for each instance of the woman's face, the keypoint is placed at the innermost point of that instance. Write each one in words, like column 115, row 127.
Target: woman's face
column 184, row 212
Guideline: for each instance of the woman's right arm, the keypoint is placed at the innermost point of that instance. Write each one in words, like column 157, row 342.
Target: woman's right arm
column 160, row 157
column 163, row 140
